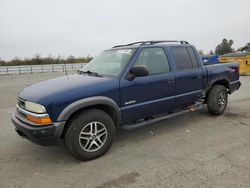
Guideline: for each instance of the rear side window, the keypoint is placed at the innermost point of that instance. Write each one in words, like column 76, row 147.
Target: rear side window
column 193, row 57
column 155, row 59
column 182, row 58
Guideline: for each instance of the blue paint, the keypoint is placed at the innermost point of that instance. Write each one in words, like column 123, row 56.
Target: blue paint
column 139, row 98
column 210, row 58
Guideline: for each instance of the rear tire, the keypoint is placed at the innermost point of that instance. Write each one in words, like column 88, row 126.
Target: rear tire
column 90, row 134
column 217, row 100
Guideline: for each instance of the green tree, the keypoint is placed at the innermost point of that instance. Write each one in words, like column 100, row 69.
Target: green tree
column 224, row 47
column 201, row 52
column 71, row 59
column 2, row 63
column 38, row 60
column 245, row 48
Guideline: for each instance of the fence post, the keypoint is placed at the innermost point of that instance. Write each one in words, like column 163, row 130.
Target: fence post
column 72, row 66
column 31, row 72
column 19, row 69
column 52, row 68
column 42, row 68
column 63, row 68
column 7, row 70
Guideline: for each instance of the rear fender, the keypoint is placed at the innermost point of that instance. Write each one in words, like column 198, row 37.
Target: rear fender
column 218, row 81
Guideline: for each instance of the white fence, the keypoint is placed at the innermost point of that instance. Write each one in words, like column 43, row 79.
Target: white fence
column 22, row 69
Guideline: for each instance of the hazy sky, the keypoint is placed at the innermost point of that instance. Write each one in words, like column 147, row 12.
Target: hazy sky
column 80, row 27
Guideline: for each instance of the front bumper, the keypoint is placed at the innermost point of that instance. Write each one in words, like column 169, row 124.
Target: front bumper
column 45, row 135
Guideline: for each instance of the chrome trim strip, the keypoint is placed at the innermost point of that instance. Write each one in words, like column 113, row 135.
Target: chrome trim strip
column 234, row 82
column 31, row 113
column 20, row 99
column 26, row 121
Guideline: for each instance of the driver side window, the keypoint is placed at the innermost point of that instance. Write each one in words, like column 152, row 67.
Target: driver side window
column 154, row 59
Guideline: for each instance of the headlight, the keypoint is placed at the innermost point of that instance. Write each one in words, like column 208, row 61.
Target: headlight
column 34, row 107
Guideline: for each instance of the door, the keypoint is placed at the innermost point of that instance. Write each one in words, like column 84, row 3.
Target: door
column 188, row 75
column 152, row 94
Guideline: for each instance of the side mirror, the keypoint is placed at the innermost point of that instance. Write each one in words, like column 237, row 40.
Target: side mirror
column 138, row 71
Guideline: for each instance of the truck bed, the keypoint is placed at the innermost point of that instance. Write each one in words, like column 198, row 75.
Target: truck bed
column 224, row 71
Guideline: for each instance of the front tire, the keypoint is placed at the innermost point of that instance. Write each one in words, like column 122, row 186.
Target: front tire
column 90, row 134
column 217, row 100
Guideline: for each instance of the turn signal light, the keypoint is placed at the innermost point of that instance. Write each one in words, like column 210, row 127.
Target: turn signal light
column 39, row 120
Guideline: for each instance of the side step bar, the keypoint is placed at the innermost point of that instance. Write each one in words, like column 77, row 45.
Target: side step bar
column 143, row 123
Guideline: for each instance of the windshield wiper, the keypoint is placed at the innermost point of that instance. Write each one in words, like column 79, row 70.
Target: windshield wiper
column 90, row 73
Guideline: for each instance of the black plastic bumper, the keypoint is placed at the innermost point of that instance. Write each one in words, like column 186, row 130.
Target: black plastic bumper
column 46, row 135
column 234, row 86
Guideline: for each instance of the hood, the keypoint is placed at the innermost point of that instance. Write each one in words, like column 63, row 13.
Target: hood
column 67, row 89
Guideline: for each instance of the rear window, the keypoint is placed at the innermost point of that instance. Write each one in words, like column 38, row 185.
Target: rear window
column 193, row 57
column 182, row 58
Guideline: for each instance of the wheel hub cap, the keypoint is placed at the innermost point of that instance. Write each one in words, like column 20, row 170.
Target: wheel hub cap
column 92, row 136
column 222, row 100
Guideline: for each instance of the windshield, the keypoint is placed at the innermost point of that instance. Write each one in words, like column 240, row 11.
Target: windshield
column 110, row 62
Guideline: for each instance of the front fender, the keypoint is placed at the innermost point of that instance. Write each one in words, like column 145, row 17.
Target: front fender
column 88, row 102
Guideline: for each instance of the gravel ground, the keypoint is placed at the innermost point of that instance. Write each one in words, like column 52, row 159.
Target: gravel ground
column 191, row 150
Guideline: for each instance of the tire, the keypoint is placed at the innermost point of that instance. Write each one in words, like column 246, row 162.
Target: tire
column 217, row 100
column 90, row 134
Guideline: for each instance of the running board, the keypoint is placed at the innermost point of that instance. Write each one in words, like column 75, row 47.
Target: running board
column 161, row 118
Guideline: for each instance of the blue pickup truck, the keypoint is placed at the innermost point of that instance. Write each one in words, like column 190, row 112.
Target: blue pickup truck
column 124, row 85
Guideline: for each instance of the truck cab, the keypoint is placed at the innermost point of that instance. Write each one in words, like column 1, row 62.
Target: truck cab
column 175, row 73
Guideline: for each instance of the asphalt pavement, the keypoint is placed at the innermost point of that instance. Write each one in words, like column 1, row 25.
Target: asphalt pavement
column 191, row 150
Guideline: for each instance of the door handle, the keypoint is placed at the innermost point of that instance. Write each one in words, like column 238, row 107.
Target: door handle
column 171, row 80
column 197, row 76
